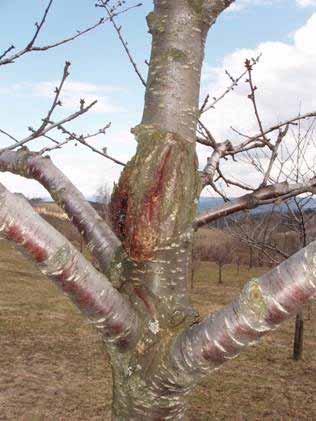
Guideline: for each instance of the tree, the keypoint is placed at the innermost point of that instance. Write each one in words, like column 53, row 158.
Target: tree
column 103, row 198
column 220, row 250
column 222, row 254
column 295, row 220
column 139, row 299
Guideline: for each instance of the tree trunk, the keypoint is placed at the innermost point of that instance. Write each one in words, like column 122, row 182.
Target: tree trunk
column 299, row 320
column 298, row 336
column 220, row 269
column 134, row 399
column 250, row 258
column 152, row 210
column 238, row 266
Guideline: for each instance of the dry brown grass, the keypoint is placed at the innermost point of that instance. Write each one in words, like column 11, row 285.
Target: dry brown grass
column 263, row 382
column 53, row 367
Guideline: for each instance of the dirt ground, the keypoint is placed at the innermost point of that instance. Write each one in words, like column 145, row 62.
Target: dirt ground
column 53, row 367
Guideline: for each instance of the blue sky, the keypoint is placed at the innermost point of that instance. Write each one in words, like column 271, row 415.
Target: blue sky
column 101, row 70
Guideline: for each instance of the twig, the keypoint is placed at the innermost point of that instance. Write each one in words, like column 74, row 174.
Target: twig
column 52, row 126
column 282, row 134
column 9, row 135
column 252, row 97
column 230, row 88
column 82, row 139
column 6, row 51
column 56, row 102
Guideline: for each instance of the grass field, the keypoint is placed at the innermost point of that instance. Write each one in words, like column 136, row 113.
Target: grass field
column 52, row 365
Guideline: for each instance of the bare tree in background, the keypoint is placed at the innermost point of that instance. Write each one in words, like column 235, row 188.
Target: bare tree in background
column 220, row 252
column 139, row 299
column 103, row 199
column 281, row 232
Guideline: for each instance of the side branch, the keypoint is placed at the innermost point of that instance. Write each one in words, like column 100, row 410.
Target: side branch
column 261, row 307
column 262, row 196
column 100, row 239
column 64, row 265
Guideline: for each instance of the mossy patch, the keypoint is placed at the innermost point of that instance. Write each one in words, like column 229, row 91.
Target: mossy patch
column 155, row 22
column 197, row 6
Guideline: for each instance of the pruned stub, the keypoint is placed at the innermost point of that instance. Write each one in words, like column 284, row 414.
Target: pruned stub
column 152, row 205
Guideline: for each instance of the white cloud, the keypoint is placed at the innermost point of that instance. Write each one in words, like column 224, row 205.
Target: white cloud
column 243, row 4
column 73, row 91
column 305, row 3
column 286, row 82
column 71, row 94
column 87, row 170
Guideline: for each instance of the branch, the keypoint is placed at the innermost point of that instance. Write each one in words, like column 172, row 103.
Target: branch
column 263, row 304
column 213, row 162
column 206, row 107
column 59, row 260
column 100, row 239
column 82, row 139
column 252, row 97
column 278, row 126
column 52, row 125
column 253, row 239
column 30, row 47
column 56, row 101
column 262, row 196
column 274, row 155
column 118, row 30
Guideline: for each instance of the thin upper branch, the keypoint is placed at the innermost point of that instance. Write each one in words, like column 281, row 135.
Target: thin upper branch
column 30, row 47
column 64, row 265
column 83, row 140
column 206, row 106
column 43, row 130
column 118, row 30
